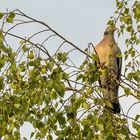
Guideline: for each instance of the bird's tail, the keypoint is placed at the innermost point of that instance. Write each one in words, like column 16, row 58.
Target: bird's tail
column 112, row 95
column 115, row 108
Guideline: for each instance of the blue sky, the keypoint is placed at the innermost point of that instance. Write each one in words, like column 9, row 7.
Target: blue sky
column 80, row 21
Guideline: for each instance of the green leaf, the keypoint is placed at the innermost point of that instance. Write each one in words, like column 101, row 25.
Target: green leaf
column 17, row 105
column 61, row 119
column 126, row 54
column 6, row 97
column 50, row 84
column 119, row 5
column 109, row 136
column 35, row 62
column 1, row 35
column 31, row 55
column 95, row 57
column 32, row 134
column 1, row 117
column 10, row 18
column 137, row 117
column 126, row 10
column 62, row 57
column 122, row 27
column 39, row 124
column 65, row 76
column 70, row 113
column 127, row 91
column 132, row 53
column 22, row 66
column 60, row 88
column 49, row 65
column 43, row 70
column 126, row 19
column 2, row 62
column 86, row 105
column 136, row 76
column 136, row 11
column 108, row 103
column 135, row 125
column 86, row 122
column 130, row 76
column 1, row 15
column 83, row 65
column 80, row 76
column 21, row 42
column 76, row 105
column 129, row 28
column 25, row 48
column 53, row 95
column 49, row 137
column 1, row 82
column 119, row 55
column 105, row 72
column 100, row 126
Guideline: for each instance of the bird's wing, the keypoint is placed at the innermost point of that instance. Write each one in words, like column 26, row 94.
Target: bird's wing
column 119, row 63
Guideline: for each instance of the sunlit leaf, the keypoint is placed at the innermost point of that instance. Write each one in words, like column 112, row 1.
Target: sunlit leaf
column 10, row 17
column 31, row 55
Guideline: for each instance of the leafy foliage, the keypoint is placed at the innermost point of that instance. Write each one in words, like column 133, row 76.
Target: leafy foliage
column 61, row 99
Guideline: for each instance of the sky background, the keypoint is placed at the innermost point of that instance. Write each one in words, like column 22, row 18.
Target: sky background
column 80, row 21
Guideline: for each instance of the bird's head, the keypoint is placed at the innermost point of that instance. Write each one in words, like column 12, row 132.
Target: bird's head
column 110, row 30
